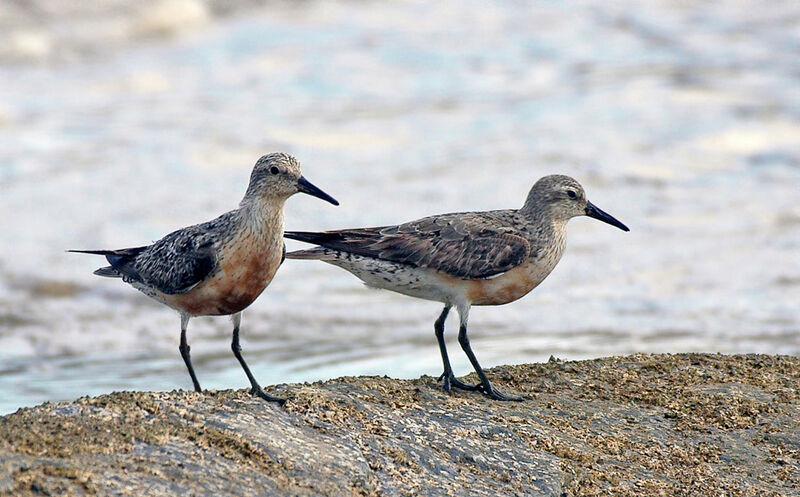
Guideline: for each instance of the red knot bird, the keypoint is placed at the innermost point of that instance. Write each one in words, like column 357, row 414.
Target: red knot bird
column 462, row 259
column 219, row 267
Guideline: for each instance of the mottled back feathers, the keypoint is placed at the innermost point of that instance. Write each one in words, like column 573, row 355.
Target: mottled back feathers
column 174, row 264
column 464, row 245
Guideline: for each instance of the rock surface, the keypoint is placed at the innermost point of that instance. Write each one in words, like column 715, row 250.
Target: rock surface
column 642, row 425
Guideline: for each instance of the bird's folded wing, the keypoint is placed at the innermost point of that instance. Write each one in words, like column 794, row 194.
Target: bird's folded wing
column 175, row 264
column 468, row 247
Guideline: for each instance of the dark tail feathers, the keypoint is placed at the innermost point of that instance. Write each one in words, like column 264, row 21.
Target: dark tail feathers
column 108, row 272
column 128, row 252
column 113, row 257
column 310, row 236
column 95, row 252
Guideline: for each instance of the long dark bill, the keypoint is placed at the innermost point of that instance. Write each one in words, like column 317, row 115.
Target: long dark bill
column 305, row 186
column 597, row 213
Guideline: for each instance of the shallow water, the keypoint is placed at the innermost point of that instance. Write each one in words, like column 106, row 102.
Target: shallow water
column 681, row 119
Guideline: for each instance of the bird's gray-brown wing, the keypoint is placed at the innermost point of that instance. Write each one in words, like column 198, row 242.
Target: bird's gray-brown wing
column 175, row 264
column 469, row 245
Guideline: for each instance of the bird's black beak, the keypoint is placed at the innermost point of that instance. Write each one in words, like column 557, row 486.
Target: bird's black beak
column 597, row 213
column 305, row 186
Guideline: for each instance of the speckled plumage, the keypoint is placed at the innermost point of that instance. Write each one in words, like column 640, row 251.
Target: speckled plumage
column 221, row 266
column 178, row 262
column 462, row 259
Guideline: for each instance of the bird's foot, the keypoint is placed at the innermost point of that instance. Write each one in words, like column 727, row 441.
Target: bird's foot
column 450, row 381
column 493, row 393
column 258, row 392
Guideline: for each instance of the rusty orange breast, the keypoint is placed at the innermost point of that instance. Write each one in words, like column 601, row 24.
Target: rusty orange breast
column 502, row 289
column 245, row 269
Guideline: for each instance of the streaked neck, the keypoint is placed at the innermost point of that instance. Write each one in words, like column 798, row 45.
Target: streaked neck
column 263, row 215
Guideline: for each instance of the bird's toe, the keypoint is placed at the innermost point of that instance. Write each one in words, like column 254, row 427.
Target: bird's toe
column 496, row 394
column 450, row 382
column 258, row 392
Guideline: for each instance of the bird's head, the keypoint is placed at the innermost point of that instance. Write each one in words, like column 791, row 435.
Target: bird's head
column 278, row 176
column 563, row 198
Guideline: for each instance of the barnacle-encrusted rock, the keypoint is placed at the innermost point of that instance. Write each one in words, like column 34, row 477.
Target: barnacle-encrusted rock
column 689, row 424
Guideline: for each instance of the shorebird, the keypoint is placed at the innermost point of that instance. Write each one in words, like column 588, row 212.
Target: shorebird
column 462, row 259
column 219, row 267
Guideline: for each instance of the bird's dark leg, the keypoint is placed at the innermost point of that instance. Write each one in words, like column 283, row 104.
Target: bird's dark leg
column 184, row 348
column 449, row 378
column 485, row 386
column 255, row 388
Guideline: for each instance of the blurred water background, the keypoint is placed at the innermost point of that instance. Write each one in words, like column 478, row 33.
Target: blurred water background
column 122, row 121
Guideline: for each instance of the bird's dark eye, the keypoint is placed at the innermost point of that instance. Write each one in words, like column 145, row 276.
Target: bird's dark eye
column 274, row 170
column 572, row 194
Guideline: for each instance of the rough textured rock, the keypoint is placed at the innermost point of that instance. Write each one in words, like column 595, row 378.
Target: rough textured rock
column 642, row 425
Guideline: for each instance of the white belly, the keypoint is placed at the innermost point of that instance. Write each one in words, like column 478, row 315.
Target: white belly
column 414, row 282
